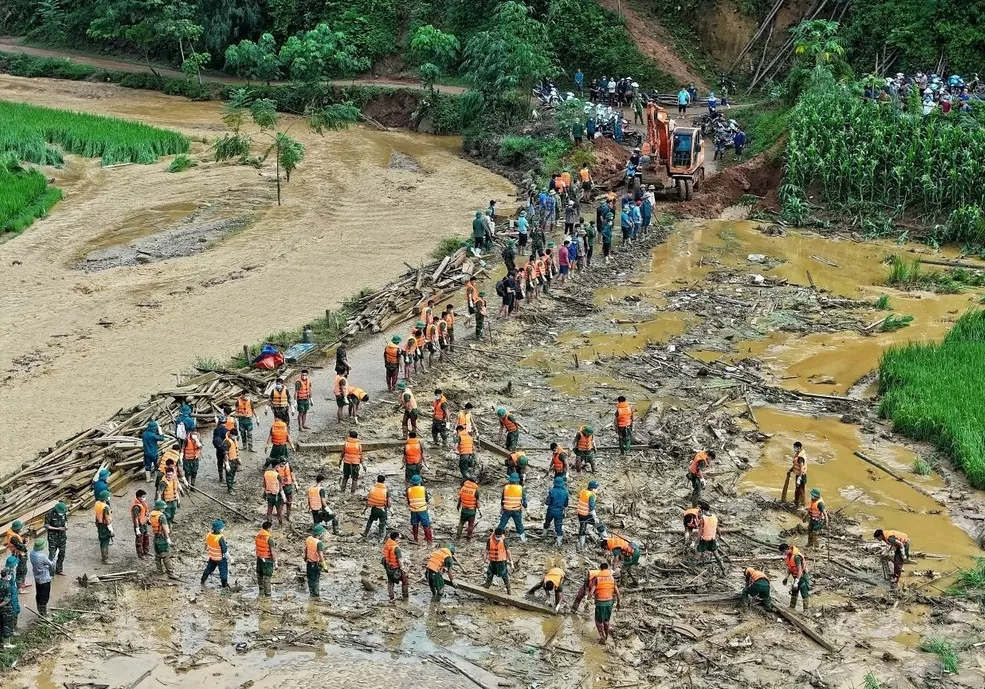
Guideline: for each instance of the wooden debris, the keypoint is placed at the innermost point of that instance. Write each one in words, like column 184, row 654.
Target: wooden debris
column 880, row 465
column 498, row 597
column 803, row 627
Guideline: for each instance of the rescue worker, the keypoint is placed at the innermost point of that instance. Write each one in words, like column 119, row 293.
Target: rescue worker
column 584, row 444
column 438, row 566
column 303, row 399
column 158, row 520
column 480, row 315
column 245, row 416
column 8, row 621
column 218, row 554
column 624, row 553
column 274, row 494
column 464, row 418
column 342, row 358
column 231, row 445
column 356, row 397
column 314, row 559
column 559, row 462
column 899, row 545
column 101, row 483
column 471, row 294
column 351, row 460
column 509, row 425
column 439, row 418
column 408, row 353
column 393, row 566
column 286, row 475
column 817, row 517
column 42, row 569
column 278, row 441
column 497, row 554
column 56, row 524
column 604, row 589
column 170, row 458
column 757, row 586
column 556, row 504
column 280, row 401
column 624, row 425
column 17, row 548
column 318, row 505
column 266, row 558
column 552, row 583
column 695, row 473
column 443, row 344
column 391, row 362
column 150, row 441
column 468, row 506
column 378, row 504
column 223, row 424
column 799, row 470
column 692, row 526
column 171, row 491
column 104, row 525
column 796, row 570
column 586, row 513
column 418, row 499
column 513, row 502
column 191, row 456
column 141, row 532
column 708, row 536
column 341, row 391
column 431, row 344
column 585, row 587
column 466, row 451
column 516, row 463
column 450, row 320
column 408, row 403
column 413, row 458
column 14, row 591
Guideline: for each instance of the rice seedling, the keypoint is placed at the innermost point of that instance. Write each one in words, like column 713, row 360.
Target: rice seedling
column 181, row 163
column 894, row 323
column 32, row 133
column 24, row 196
column 922, row 467
column 882, row 303
column 970, row 582
column 944, row 650
column 870, row 682
column 931, row 391
column 910, row 275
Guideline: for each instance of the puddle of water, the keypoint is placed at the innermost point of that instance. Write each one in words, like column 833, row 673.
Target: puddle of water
column 858, row 489
column 914, row 617
column 141, row 224
column 632, row 339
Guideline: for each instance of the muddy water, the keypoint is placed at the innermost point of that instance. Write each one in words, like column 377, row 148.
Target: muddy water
column 78, row 347
column 858, row 489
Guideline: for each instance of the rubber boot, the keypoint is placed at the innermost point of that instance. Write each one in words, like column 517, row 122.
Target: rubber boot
column 600, row 628
column 428, row 535
column 508, row 591
column 404, row 587
column 557, row 541
column 335, row 526
column 345, row 480
column 581, row 542
column 104, row 554
column 146, row 477
column 160, row 564
column 365, row 531
column 458, row 532
column 390, row 591
column 414, row 531
column 43, row 610
column 806, row 605
column 488, row 581
column 523, row 538
column 266, row 586
column 793, row 602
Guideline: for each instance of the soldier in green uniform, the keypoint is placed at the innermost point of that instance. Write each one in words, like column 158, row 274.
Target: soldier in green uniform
column 56, row 524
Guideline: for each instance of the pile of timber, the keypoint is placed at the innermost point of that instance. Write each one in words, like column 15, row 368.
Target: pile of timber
column 408, row 295
column 66, row 472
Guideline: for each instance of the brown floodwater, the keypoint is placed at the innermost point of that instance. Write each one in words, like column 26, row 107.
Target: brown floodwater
column 79, row 346
column 858, row 489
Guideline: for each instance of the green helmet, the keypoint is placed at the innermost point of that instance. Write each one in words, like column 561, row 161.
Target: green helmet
column 317, row 530
column 104, row 495
column 395, row 339
column 18, row 525
column 415, row 480
column 218, row 525
column 514, row 478
column 522, row 460
column 61, row 507
column 451, row 547
column 815, row 492
column 160, row 504
column 501, row 412
column 401, row 385
column 419, row 324
column 39, row 543
column 588, row 430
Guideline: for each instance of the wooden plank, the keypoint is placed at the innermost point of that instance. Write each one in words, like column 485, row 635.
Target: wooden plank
column 880, row 465
column 30, row 516
column 502, row 598
column 803, row 627
column 368, row 445
column 493, row 447
column 953, row 264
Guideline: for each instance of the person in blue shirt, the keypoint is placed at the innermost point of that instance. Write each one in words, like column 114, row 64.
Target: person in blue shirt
column 573, row 251
column 557, row 502
column 15, row 604
column 101, row 483
column 522, row 232
column 683, row 100
column 579, row 81
column 626, row 224
column 590, row 128
column 712, row 103
column 150, row 439
column 606, row 232
column 739, row 141
column 636, row 216
column 646, row 210
column 617, row 129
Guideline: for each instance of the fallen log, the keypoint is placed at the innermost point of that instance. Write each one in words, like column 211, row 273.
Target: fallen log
column 368, row 445
column 502, row 598
column 953, row 264
column 804, row 628
column 220, row 502
column 880, row 465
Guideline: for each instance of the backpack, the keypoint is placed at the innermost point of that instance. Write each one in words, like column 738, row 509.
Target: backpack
column 501, row 287
column 219, row 437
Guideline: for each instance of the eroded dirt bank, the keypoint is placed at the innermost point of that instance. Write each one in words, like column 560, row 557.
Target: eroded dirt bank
column 79, row 345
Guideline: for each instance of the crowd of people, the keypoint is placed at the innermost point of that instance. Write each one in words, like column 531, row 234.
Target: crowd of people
column 935, row 93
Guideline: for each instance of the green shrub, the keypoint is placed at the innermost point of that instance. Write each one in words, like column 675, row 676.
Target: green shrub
column 181, row 163
column 54, row 68
column 882, row 303
column 944, row 650
column 447, row 246
column 894, row 323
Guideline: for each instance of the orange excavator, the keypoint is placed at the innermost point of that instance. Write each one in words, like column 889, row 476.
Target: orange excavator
column 680, row 153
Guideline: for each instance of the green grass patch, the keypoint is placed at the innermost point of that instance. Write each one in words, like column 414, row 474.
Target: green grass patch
column 763, row 128
column 870, row 682
column 944, row 650
column 970, row 583
column 910, row 275
column 922, row 467
column 30, row 131
column 882, row 303
column 447, row 246
column 894, row 323
column 24, row 196
column 181, row 163
column 36, row 639
column 932, row 392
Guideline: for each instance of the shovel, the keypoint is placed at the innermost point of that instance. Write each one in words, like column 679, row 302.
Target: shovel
column 786, row 484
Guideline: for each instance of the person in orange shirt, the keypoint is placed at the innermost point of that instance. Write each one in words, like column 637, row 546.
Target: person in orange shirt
column 624, row 425
column 604, row 589
column 303, row 399
column 341, row 390
column 450, row 320
column 391, row 362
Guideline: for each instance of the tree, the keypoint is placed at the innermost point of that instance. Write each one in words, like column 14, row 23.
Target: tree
column 434, row 51
column 254, row 60
column 816, row 41
column 132, row 21
column 319, row 55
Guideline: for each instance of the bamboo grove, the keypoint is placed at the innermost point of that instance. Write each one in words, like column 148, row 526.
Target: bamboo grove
column 861, row 153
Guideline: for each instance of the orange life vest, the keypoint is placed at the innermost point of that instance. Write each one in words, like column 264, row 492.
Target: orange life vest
column 709, row 527
column 509, row 424
column 496, row 549
column 99, row 509
column 437, row 560
column 377, row 495
column 480, row 305
column 700, row 457
column 605, row 586
column 391, row 354
column 438, row 409
column 566, row 177
column 584, row 506
column 431, row 332
column 464, row 419
column 413, row 451
column 408, row 404
column 304, row 388
column 450, row 320
column 619, row 543
column 244, row 407
column 467, row 495
column 798, row 468
column 755, row 575
column 585, row 442
column 465, row 444
column 410, row 344
column 15, row 541
column 358, row 393
column 512, row 497
column 470, row 292
column 390, row 554
column 278, row 398
column 557, row 460
column 232, row 452
column 584, row 174
column 417, row 499
column 314, row 498
column 624, row 415
column 156, row 524
column 278, row 432
column 900, row 537
column 262, row 542
column 814, row 510
column 555, row 575
column 352, row 451
column 340, row 383
column 791, row 559
column 193, row 447
column 171, row 454
column 229, row 424
column 169, row 490
column 142, row 513
column 271, row 482
column 311, row 553
column 694, row 513
column 212, row 546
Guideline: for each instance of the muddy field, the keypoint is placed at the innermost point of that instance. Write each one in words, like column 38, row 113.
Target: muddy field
column 699, row 345
column 139, row 272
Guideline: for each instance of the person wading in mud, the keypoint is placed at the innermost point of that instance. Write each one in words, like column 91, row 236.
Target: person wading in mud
column 695, row 473
column 899, row 546
column 708, row 536
column 391, row 362
column 816, row 517
column 797, row 571
column 246, row 416
column 604, row 590
column 798, row 469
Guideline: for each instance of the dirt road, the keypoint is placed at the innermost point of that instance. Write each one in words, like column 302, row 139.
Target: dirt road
column 79, row 345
